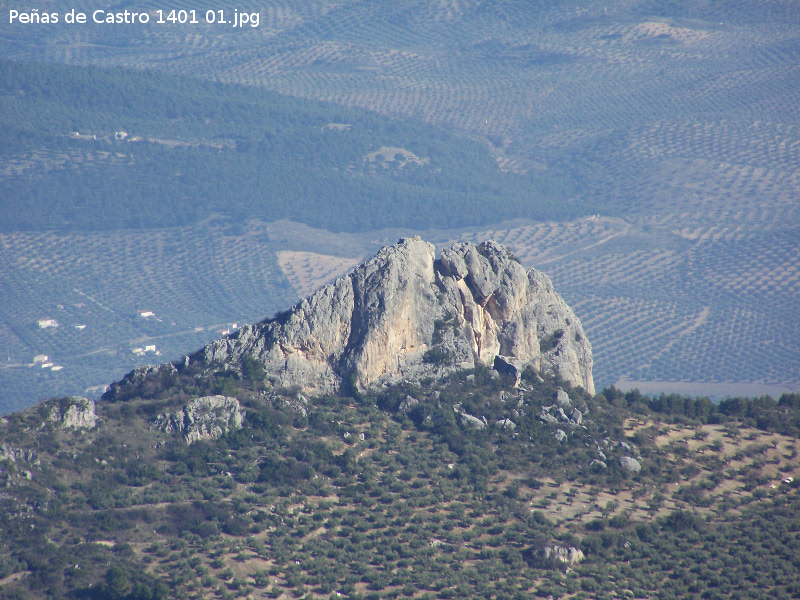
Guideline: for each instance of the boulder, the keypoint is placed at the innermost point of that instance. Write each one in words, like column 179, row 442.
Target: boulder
column 299, row 405
column 630, row 464
column 506, row 424
column 473, row 421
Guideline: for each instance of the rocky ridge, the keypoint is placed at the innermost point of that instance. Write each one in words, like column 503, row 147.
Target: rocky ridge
column 405, row 315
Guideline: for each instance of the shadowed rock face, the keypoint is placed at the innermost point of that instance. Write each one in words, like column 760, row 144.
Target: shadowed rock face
column 404, row 315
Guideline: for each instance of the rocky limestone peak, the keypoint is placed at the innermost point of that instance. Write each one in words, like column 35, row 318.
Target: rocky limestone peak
column 405, row 315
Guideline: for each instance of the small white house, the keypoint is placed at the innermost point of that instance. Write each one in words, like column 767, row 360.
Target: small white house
column 151, row 348
column 45, row 323
column 146, row 314
column 80, row 327
column 41, row 358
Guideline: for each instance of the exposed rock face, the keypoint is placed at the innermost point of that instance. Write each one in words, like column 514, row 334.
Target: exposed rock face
column 204, row 418
column 74, row 413
column 565, row 555
column 404, row 315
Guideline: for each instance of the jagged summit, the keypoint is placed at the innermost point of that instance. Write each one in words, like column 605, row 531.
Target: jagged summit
column 404, row 315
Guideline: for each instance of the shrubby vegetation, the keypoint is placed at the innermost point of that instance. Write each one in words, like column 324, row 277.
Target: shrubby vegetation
column 764, row 412
column 374, row 496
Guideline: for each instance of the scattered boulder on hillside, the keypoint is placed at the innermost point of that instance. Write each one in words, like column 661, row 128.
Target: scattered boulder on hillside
column 562, row 398
column 74, row 413
column 559, row 435
column 574, row 418
column 630, row 464
column 506, row 424
column 472, row 421
column 209, row 417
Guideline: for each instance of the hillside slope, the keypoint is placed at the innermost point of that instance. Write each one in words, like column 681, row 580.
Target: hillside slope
column 466, row 487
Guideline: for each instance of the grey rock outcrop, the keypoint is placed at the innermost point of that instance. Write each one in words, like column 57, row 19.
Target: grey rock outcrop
column 559, row 435
column 506, row 424
column 12, row 454
column 544, row 415
column 407, row 405
column 472, row 421
column 564, row 555
column 299, row 405
column 204, row 418
column 74, row 413
column 630, row 464
column 405, row 316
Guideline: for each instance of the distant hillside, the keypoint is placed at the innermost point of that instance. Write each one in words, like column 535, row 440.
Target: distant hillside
column 87, row 149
